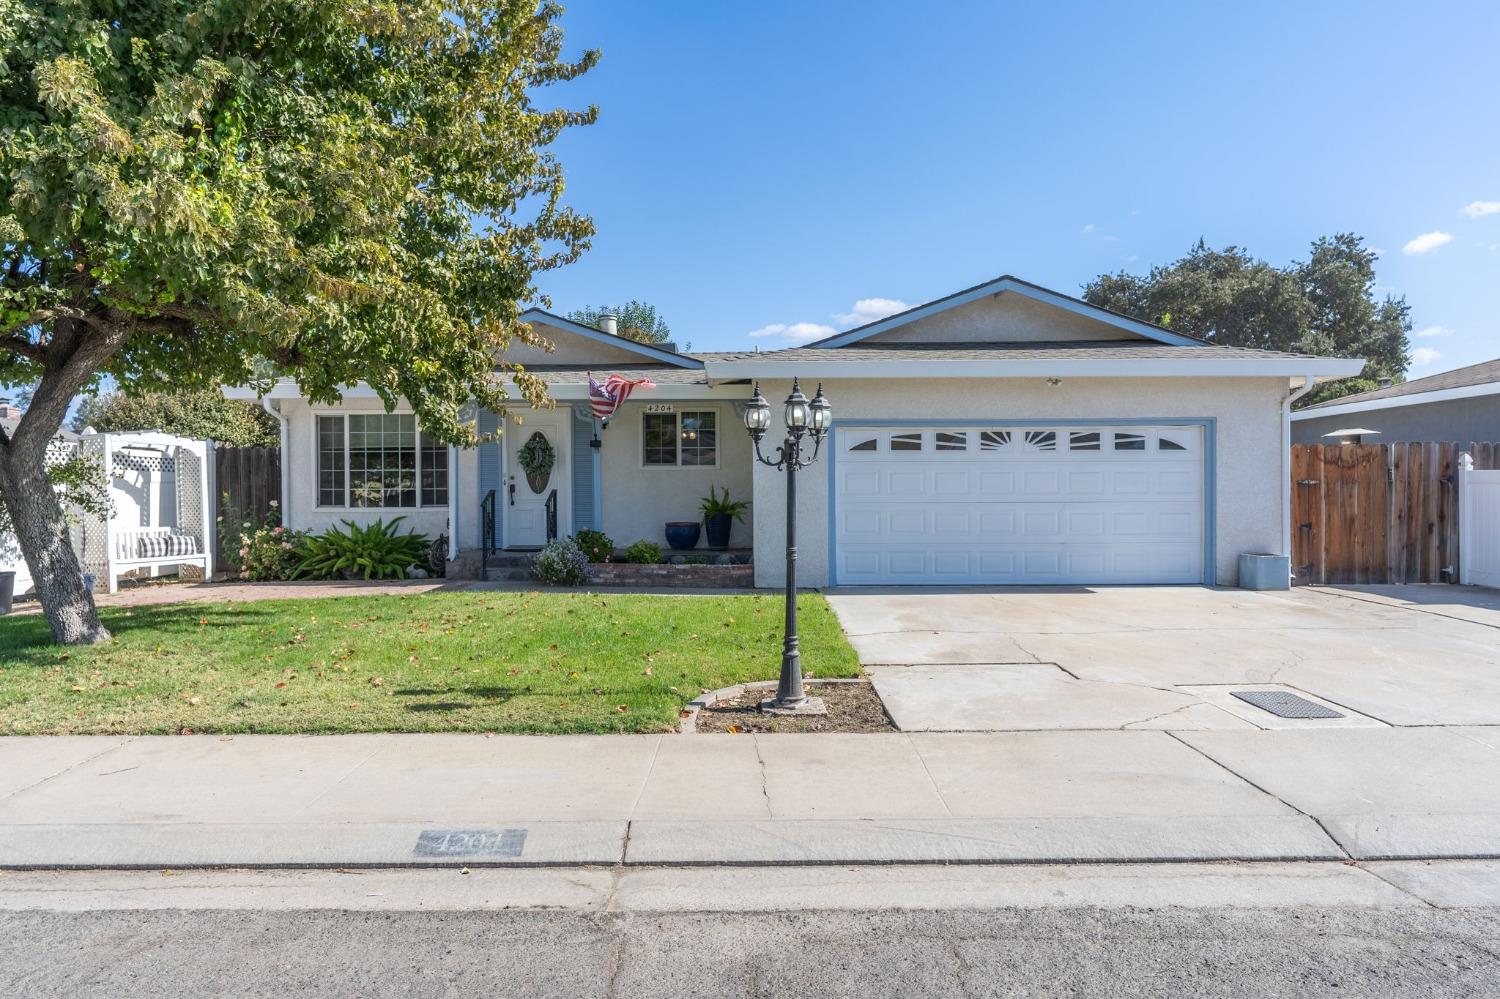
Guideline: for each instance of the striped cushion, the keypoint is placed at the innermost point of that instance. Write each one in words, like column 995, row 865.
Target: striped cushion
column 162, row 545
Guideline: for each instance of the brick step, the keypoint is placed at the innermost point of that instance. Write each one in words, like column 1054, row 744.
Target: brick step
column 495, row 575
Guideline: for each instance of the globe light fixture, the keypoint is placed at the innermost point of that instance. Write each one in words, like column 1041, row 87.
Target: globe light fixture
column 821, row 413
column 798, row 412
column 804, row 420
column 757, row 415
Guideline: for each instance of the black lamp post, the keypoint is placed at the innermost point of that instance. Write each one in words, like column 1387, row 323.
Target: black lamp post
column 804, row 419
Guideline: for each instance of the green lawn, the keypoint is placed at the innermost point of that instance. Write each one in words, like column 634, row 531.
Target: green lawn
column 433, row 662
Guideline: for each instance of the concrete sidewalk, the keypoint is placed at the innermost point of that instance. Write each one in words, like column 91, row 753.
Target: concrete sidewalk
column 403, row 800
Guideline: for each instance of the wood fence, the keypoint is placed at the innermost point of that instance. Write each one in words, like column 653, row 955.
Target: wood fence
column 1378, row 513
column 247, row 480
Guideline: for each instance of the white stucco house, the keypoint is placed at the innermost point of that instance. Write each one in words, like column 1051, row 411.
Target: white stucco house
column 1005, row 434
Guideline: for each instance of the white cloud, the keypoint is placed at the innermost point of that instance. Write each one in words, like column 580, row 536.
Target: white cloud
column 1425, row 355
column 1475, row 209
column 1427, row 242
column 792, row 332
column 1433, row 331
column 1087, row 229
column 867, row 310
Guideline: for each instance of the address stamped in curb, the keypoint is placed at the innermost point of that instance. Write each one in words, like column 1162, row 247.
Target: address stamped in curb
column 470, row 843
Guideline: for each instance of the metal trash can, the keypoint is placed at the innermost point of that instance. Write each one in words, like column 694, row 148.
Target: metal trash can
column 7, row 591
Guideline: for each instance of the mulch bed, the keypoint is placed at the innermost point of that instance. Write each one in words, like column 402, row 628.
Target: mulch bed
column 852, row 707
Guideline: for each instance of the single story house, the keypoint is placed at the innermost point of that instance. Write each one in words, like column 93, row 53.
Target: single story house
column 1460, row 405
column 1004, row 434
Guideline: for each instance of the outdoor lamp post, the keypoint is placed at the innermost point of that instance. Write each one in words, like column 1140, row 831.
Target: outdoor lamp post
column 804, row 418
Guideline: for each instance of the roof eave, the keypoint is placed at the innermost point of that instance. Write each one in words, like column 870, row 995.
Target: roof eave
column 1320, row 369
column 614, row 340
column 997, row 287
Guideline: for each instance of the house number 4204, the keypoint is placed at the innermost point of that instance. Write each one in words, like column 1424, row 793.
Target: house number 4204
column 658, row 407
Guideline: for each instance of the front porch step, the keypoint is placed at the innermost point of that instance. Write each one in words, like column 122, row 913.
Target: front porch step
column 511, row 560
column 508, row 575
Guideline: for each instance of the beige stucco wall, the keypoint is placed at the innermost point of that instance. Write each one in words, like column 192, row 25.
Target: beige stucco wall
column 639, row 500
column 302, row 511
column 1009, row 318
column 1248, row 449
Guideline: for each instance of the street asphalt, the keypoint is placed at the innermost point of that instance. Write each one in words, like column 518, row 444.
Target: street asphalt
column 1072, row 952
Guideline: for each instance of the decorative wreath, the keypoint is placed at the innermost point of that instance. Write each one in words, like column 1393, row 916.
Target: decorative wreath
column 536, row 456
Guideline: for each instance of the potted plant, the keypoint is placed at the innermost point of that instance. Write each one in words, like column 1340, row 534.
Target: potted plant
column 536, row 458
column 719, row 514
column 683, row 534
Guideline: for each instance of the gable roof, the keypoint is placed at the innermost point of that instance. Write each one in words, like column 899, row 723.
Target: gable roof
column 646, row 350
column 1014, row 285
column 1477, row 379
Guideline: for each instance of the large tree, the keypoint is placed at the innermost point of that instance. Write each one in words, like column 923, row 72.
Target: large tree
column 1325, row 305
column 344, row 190
column 638, row 321
column 203, row 414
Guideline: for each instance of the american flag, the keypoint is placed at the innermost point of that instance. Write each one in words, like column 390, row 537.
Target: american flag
column 607, row 397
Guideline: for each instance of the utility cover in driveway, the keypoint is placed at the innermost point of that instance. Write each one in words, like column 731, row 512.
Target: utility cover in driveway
column 1285, row 705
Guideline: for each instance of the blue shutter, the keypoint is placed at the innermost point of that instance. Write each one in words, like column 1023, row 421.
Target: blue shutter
column 583, row 470
column 489, row 476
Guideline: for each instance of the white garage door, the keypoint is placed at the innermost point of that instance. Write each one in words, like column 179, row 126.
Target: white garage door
column 1018, row 505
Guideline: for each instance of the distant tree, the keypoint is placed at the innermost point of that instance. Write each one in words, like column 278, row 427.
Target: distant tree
column 204, row 415
column 356, row 191
column 638, row 321
column 1325, row 305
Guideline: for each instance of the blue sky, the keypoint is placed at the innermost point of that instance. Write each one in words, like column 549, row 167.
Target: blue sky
column 767, row 165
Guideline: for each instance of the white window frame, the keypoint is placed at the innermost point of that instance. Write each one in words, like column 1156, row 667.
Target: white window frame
column 677, row 414
column 344, row 414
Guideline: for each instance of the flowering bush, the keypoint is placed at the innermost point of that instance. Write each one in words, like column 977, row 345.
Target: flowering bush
column 596, row 545
column 561, row 563
column 263, row 549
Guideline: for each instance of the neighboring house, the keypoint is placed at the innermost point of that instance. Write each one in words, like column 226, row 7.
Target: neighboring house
column 1005, row 434
column 1461, row 405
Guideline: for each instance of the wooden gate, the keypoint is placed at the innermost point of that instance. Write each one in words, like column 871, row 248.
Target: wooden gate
column 247, row 481
column 1378, row 513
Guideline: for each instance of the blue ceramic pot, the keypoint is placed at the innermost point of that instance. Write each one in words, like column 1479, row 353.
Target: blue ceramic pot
column 683, row 534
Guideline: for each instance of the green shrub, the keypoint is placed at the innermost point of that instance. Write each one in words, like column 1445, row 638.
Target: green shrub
column 266, row 550
column 595, row 545
column 561, row 563
column 374, row 552
column 643, row 552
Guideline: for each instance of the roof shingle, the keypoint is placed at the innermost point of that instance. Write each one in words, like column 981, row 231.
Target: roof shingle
column 1483, row 373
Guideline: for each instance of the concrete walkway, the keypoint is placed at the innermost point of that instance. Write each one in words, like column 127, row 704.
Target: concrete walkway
column 383, row 800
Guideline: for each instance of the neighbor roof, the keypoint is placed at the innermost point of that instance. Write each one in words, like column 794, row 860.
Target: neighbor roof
column 1484, row 373
column 1008, row 283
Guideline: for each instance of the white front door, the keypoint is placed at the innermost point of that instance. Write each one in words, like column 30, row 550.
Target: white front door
column 990, row 503
column 527, row 496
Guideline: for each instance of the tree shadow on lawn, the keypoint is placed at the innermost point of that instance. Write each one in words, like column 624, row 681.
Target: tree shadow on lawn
column 482, row 697
column 26, row 640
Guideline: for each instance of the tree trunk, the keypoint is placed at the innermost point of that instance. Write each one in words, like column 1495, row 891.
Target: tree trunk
column 74, row 354
column 37, row 518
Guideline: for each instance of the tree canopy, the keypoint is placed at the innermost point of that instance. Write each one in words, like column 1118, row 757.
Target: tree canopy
column 203, row 415
column 346, row 190
column 1326, row 305
column 638, row 321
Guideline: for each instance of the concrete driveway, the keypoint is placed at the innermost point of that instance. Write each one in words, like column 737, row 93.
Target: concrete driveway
column 1168, row 657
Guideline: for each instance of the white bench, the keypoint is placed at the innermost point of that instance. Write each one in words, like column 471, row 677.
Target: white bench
column 153, row 548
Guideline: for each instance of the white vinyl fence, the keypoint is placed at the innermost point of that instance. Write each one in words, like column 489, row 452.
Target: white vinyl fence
column 1478, row 524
